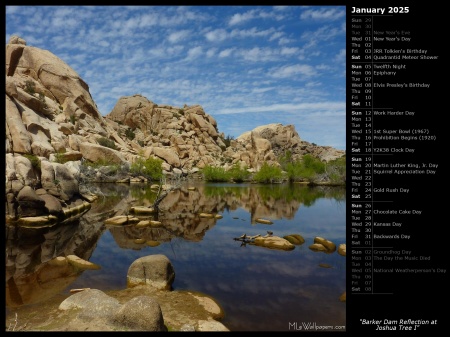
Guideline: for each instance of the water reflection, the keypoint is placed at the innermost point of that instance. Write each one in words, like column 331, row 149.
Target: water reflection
column 259, row 288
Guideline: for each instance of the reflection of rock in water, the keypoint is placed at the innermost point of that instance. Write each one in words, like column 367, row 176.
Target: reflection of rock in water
column 260, row 201
column 32, row 273
column 126, row 236
column 179, row 212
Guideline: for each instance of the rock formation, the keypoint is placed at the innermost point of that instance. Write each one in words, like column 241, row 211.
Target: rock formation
column 53, row 125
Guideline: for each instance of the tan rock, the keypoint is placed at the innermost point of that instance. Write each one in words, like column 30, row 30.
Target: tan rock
column 142, row 210
column 21, row 139
column 80, row 263
column 317, row 247
column 95, row 152
column 330, row 246
column 264, row 221
column 295, row 239
column 168, row 155
column 342, row 249
column 273, row 242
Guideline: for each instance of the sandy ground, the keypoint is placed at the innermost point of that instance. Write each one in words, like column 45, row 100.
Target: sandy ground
column 179, row 308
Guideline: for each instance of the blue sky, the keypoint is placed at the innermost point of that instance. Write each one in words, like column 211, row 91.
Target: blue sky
column 245, row 65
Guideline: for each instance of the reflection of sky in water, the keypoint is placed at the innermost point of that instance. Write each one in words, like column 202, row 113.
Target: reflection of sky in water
column 259, row 288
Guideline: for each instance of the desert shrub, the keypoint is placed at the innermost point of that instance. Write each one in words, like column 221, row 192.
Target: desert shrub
column 336, row 170
column 268, row 174
column 130, row 134
column 30, row 87
column 216, row 174
column 97, row 164
column 313, row 163
column 285, row 159
column 238, row 173
column 106, row 142
column 150, row 167
column 60, row 158
column 309, row 168
column 227, row 140
column 35, row 161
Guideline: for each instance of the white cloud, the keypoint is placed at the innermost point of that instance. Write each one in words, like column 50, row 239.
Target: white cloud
column 258, row 54
column 341, row 56
column 253, row 32
column 254, row 14
column 211, row 52
column 313, row 109
column 292, row 70
column 178, row 36
column 329, row 14
column 289, row 51
column 240, row 18
column 216, row 35
column 193, row 53
column 226, row 52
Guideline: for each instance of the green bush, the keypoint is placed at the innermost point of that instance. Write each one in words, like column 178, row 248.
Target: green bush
column 313, row 163
column 268, row 174
column 97, row 164
column 103, row 141
column 29, row 87
column 130, row 134
column 239, row 174
column 285, row 159
column 151, row 167
column 336, row 170
column 306, row 169
column 35, row 161
column 227, row 140
column 60, row 158
column 216, row 174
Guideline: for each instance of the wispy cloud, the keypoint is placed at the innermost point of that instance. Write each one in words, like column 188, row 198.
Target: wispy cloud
column 324, row 13
column 313, row 109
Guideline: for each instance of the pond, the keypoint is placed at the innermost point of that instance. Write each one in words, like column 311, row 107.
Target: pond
column 259, row 289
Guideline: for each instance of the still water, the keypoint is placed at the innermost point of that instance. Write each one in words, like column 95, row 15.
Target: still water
column 259, row 289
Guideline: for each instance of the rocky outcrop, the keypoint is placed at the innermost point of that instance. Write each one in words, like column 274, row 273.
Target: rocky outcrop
column 267, row 143
column 53, row 124
column 50, row 115
column 183, row 137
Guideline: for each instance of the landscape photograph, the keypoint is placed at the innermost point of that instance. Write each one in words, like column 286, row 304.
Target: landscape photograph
column 175, row 168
